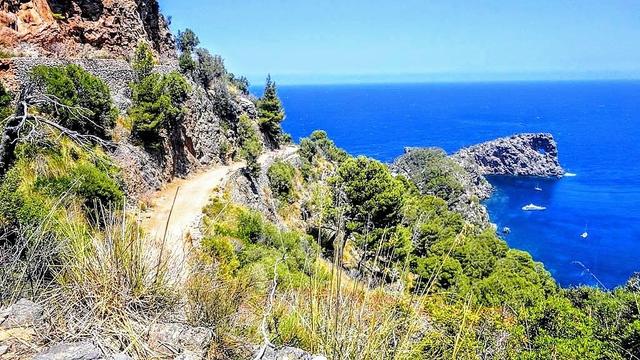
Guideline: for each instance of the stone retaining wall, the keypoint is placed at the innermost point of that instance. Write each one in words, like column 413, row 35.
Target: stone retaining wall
column 117, row 74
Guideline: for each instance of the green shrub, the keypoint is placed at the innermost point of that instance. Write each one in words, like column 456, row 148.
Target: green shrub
column 157, row 104
column 87, row 105
column 20, row 207
column 5, row 102
column 209, row 67
column 143, row 61
column 250, row 145
column 281, row 176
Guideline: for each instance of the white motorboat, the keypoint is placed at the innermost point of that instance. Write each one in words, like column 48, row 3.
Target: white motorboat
column 532, row 207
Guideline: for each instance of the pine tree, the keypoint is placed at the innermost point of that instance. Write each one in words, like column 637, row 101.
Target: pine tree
column 187, row 41
column 271, row 113
column 143, row 61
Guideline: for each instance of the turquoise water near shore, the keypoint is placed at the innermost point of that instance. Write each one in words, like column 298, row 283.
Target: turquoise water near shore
column 596, row 125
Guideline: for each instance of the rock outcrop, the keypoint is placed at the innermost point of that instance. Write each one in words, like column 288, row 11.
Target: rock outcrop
column 203, row 137
column 84, row 350
column 179, row 339
column 288, row 353
column 83, row 28
column 463, row 173
column 518, row 155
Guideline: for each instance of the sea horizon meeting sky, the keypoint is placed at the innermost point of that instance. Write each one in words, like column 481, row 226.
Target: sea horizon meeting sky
column 358, row 41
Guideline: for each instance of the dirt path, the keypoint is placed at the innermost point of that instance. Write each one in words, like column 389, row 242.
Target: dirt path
column 192, row 196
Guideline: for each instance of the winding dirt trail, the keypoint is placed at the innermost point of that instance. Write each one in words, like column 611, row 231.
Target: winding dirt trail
column 177, row 208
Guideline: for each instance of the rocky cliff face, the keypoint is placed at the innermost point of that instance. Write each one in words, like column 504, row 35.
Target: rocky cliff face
column 518, row 155
column 83, row 28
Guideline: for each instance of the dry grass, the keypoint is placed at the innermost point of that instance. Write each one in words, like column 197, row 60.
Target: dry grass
column 95, row 281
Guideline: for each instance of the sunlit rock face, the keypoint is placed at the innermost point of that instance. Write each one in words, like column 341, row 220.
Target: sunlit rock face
column 518, row 155
column 83, row 28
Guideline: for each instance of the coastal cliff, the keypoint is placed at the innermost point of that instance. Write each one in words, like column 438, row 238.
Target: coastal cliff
column 518, row 155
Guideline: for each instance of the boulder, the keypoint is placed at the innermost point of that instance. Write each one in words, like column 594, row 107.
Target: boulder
column 24, row 313
column 289, row 353
column 176, row 338
column 84, row 350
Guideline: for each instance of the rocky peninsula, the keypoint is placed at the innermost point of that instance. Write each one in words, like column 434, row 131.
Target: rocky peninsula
column 462, row 176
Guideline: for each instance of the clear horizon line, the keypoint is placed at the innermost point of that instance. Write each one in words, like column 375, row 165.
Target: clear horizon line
column 418, row 78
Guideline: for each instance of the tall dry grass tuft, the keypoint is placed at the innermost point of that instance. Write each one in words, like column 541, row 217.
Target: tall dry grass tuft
column 96, row 279
column 108, row 284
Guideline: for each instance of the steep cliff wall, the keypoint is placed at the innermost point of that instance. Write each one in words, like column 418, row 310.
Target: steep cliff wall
column 83, row 28
column 519, row 155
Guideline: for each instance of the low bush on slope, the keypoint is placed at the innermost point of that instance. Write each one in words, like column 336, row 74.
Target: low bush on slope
column 79, row 100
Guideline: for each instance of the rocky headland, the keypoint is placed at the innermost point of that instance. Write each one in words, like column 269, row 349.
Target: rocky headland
column 462, row 176
column 517, row 155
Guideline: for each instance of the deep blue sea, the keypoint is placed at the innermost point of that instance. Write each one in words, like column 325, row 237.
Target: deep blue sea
column 596, row 125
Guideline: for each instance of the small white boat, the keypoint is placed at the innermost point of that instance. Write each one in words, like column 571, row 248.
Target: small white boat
column 585, row 234
column 568, row 174
column 537, row 188
column 532, row 207
column 506, row 230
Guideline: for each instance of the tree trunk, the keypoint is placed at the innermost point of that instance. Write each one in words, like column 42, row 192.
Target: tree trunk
column 10, row 133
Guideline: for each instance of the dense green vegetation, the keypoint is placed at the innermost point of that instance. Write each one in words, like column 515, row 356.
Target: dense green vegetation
column 482, row 290
column 440, row 177
column 5, row 102
column 271, row 114
column 281, row 180
column 204, row 67
column 157, row 99
column 250, row 144
column 80, row 101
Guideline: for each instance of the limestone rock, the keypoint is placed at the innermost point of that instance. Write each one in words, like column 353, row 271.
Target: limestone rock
column 175, row 338
column 120, row 356
column 518, row 155
column 289, row 353
column 83, row 28
column 24, row 313
column 84, row 350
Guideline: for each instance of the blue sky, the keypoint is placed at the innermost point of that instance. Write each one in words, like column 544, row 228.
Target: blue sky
column 325, row 41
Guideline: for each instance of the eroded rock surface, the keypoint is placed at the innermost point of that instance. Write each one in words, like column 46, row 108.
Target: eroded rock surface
column 23, row 313
column 518, row 155
column 176, row 338
column 84, row 350
column 83, row 28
